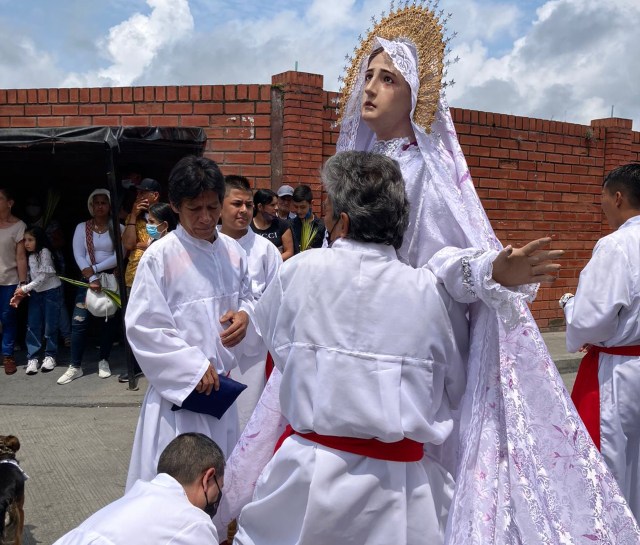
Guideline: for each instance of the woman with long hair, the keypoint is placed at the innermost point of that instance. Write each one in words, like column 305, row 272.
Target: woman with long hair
column 267, row 224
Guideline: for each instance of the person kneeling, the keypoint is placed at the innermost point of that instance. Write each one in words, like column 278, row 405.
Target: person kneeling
column 176, row 507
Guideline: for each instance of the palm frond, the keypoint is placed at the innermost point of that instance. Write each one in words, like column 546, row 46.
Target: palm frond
column 307, row 234
column 115, row 297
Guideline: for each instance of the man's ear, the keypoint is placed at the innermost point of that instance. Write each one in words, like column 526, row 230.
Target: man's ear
column 619, row 199
column 344, row 225
column 174, row 208
column 207, row 476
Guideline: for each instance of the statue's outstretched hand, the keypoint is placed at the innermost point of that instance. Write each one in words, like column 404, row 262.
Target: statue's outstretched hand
column 527, row 265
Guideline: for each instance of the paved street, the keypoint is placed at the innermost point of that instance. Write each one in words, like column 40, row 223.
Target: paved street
column 76, row 439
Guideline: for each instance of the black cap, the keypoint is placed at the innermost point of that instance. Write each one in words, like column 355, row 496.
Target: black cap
column 149, row 184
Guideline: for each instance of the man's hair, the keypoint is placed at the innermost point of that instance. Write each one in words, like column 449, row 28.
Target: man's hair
column 192, row 176
column 302, row 193
column 234, row 181
column 188, row 456
column 625, row 179
column 369, row 189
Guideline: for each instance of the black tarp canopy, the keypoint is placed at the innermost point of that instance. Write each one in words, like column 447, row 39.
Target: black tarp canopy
column 73, row 161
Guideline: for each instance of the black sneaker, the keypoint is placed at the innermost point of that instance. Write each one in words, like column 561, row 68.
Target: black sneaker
column 124, row 377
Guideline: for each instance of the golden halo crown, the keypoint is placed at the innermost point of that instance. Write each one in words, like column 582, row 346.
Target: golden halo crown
column 419, row 24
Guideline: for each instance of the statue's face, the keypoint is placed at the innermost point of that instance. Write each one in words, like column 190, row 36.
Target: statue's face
column 386, row 100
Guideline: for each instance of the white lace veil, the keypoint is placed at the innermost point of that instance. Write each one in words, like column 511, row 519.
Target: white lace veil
column 440, row 147
column 528, row 472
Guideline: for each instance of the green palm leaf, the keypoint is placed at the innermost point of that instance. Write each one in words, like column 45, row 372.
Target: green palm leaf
column 307, row 235
column 115, row 297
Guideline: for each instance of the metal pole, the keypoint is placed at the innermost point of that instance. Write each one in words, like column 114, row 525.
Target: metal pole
column 113, row 189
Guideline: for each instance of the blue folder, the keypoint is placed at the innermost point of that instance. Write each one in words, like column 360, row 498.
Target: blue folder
column 216, row 403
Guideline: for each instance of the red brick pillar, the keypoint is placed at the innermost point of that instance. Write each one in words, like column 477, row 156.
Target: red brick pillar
column 618, row 140
column 297, row 111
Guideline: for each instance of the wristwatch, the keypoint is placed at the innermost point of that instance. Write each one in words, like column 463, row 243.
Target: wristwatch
column 565, row 299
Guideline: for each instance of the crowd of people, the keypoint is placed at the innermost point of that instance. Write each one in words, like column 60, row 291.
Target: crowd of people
column 32, row 263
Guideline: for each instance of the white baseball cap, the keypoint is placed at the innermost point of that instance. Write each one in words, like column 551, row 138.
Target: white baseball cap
column 285, row 190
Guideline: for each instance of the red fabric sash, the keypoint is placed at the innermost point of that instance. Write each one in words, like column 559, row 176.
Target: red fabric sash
column 268, row 366
column 586, row 390
column 406, row 450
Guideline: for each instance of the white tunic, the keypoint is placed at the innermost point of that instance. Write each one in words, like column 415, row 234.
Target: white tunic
column 182, row 287
column 264, row 260
column 605, row 312
column 345, row 326
column 151, row 513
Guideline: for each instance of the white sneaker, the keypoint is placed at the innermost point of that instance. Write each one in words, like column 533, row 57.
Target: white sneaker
column 103, row 369
column 32, row 366
column 70, row 374
column 48, row 364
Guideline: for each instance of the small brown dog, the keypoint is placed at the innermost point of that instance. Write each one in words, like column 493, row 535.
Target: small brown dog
column 12, row 480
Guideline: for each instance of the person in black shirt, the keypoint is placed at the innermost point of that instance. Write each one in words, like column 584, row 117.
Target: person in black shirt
column 302, row 199
column 267, row 224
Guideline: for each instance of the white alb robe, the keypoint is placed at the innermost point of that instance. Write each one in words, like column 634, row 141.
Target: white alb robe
column 151, row 513
column 606, row 312
column 183, row 286
column 264, row 260
column 345, row 326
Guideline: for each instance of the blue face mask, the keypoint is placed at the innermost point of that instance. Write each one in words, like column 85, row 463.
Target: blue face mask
column 152, row 231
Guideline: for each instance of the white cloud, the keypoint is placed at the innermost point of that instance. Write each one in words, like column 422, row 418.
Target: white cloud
column 132, row 45
column 567, row 59
column 575, row 62
column 22, row 66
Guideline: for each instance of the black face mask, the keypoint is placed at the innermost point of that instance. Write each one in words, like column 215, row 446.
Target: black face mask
column 212, row 507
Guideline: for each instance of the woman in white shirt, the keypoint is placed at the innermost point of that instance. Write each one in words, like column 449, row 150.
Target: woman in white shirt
column 94, row 252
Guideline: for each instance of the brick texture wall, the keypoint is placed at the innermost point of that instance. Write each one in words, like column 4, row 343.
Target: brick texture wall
column 535, row 177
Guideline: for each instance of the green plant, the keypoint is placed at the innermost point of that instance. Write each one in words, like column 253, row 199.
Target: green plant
column 115, row 297
column 53, row 198
column 308, row 233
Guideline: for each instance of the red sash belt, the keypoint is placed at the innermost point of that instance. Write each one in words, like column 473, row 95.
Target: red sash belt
column 406, row 450
column 586, row 390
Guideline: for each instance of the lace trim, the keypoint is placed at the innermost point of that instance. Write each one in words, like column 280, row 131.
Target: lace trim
column 391, row 148
column 467, row 275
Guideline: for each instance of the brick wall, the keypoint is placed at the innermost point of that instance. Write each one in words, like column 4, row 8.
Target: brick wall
column 535, row 177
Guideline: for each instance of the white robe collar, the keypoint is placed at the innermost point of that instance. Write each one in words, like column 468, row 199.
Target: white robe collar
column 383, row 250
column 635, row 220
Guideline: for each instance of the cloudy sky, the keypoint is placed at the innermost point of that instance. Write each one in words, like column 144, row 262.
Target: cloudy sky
column 567, row 60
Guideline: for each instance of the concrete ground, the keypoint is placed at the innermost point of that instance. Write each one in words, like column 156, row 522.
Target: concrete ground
column 76, row 439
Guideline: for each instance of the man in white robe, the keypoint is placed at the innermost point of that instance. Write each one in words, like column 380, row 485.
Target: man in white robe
column 264, row 260
column 364, row 386
column 605, row 314
column 175, row 508
column 189, row 309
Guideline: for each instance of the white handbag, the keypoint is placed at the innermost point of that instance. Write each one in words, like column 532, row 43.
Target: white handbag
column 99, row 303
